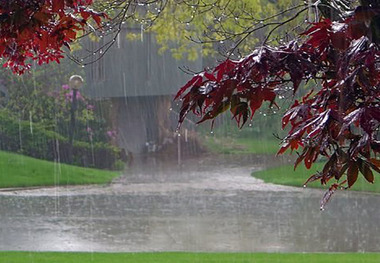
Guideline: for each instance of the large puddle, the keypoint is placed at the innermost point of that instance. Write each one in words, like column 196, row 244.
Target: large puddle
column 206, row 205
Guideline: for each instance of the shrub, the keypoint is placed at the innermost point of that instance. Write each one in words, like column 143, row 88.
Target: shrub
column 35, row 141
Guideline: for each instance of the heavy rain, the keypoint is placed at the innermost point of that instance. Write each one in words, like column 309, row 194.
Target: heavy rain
column 96, row 155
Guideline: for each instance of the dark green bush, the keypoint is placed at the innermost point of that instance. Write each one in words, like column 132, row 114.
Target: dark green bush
column 35, row 141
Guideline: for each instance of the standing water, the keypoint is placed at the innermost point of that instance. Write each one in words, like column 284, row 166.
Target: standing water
column 204, row 206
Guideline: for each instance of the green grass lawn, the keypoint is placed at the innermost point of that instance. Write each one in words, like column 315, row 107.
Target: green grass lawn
column 21, row 171
column 228, row 145
column 285, row 175
column 179, row 257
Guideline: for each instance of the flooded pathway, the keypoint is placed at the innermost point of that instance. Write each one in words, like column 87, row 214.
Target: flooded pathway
column 206, row 205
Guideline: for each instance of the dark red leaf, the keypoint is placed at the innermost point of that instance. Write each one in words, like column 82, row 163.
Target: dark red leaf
column 327, row 196
column 296, row 76
column 209, row 76
column 321, row 123
column 340, row 41
column 301, row 158
column 352, row 173
column 196, row 80
column 366, row 171
column 58, row 5
column 313, row 178
column 341, row 172
column 311, row 157
column 97, row 19
column 224, row 68
column 283, row 148
column 375, row 164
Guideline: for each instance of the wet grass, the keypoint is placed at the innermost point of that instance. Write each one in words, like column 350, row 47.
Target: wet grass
column 175, row 257
column 285, row 175
column 22, row 171
column 229, row 145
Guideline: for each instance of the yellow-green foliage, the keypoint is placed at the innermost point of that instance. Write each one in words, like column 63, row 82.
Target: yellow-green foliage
column 181, row 22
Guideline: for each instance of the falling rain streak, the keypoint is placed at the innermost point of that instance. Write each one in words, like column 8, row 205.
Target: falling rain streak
column 163, row 187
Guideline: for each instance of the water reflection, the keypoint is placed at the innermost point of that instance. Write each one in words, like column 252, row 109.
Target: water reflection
column 202, row 207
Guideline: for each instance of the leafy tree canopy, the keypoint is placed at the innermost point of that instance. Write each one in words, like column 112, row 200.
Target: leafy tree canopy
column 338, row 55
column 39, row 29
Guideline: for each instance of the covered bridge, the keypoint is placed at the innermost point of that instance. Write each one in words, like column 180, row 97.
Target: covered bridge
column 140, row 83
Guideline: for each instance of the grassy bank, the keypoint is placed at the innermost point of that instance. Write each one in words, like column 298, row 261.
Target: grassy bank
column 22, row 171
column 26, row 257
column 286, row 175
column 228, row 145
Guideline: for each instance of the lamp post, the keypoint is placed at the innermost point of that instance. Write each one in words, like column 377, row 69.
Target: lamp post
column 75, row 82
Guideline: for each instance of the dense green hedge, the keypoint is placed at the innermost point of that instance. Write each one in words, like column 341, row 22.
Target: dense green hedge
column 35, row 141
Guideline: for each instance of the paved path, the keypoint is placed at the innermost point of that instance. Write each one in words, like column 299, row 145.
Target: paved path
column 206, row 205
column 154, row 176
